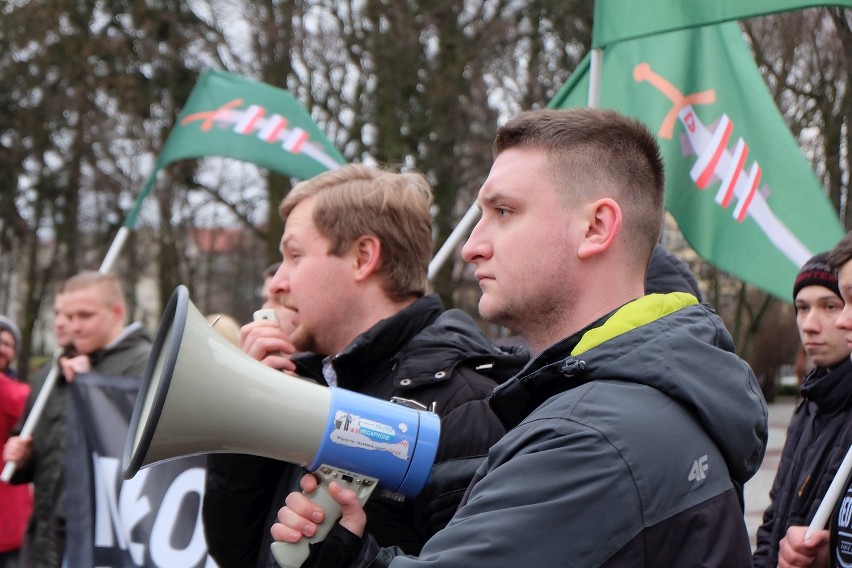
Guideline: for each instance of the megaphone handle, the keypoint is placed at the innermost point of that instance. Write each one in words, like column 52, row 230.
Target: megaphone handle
column 294, row 555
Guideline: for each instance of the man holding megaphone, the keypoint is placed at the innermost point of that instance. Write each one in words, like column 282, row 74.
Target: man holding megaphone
column 356, row 249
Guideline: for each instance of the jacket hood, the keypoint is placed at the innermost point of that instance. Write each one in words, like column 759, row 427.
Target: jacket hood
column 830, row 389
column 667, row 273
column 127, row 354
column 680, row 348
column 452, row 339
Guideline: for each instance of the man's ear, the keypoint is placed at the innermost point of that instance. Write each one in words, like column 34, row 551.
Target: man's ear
column 119, row 310
column 367, row 251
column 604, row 224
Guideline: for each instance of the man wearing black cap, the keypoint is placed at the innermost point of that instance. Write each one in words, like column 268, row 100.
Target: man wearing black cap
column 821, row 429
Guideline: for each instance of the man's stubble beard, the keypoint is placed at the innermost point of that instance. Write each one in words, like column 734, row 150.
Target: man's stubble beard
column 528, row 319
column 303, row 340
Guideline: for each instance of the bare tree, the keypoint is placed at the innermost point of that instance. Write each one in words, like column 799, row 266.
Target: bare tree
column 94, row 89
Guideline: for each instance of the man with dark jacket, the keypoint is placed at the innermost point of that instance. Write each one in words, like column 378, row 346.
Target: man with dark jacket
column 634, row 428
column 820, row 431
column 356, row 249
column 91, row 311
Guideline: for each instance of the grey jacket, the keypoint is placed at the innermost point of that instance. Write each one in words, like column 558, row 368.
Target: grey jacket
column 44, row 541
column 628, row 445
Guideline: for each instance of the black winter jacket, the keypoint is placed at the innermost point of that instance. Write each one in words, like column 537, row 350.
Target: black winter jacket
column 422, row 353
column 818, row 437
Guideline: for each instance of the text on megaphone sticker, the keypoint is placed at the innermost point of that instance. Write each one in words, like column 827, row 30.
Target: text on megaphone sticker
column 357, row 432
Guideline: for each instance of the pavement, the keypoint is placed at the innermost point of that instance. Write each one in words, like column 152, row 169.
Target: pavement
column 757, row 488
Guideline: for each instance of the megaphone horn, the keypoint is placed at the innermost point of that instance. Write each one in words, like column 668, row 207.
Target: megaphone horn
column 201, row 395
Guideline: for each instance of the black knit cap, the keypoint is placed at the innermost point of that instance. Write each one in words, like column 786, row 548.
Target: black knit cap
column 817, row 272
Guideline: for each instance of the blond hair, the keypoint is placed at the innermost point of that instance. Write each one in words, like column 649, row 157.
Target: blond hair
column 356, row 200
column 109, row 283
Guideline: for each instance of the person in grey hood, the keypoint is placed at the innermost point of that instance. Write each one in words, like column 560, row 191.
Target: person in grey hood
column 91, row 311
column 631, row 433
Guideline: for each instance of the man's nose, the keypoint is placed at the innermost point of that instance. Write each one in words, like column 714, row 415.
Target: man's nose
column 811, row 322
column 475, row 247
column 280, row 284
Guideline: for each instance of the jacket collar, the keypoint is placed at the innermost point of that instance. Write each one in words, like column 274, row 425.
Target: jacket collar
column 561, row 367
column 372, row 354
column 830, row 389
column 128, row 337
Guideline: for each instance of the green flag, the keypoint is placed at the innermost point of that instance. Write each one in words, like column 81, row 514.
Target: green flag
column 228, row 115
column 618, row 20
column 737, row 183
column 234, row 117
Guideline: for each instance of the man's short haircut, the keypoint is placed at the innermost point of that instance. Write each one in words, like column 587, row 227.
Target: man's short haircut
column 841, row 253
column 109, row 283
column 597, row 153
column 356, row 200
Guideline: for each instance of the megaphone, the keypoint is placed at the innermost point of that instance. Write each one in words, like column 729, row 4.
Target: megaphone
column 201, row 395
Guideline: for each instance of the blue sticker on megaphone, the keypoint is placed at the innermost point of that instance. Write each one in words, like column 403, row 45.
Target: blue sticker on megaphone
column 362, row 433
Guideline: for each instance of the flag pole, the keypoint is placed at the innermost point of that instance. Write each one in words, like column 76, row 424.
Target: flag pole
column 129, row 224
column 35, row 413
column 595, row 69
column 109, row 261
column 114, row 249
column 455, row 237
column 828, row 502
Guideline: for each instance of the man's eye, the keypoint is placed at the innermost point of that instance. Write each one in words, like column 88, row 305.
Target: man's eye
column 502, row 211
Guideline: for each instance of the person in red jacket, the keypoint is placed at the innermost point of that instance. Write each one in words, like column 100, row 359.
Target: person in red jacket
column 16, row 501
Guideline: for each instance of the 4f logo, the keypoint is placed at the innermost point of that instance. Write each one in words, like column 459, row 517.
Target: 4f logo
column 699, row 469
